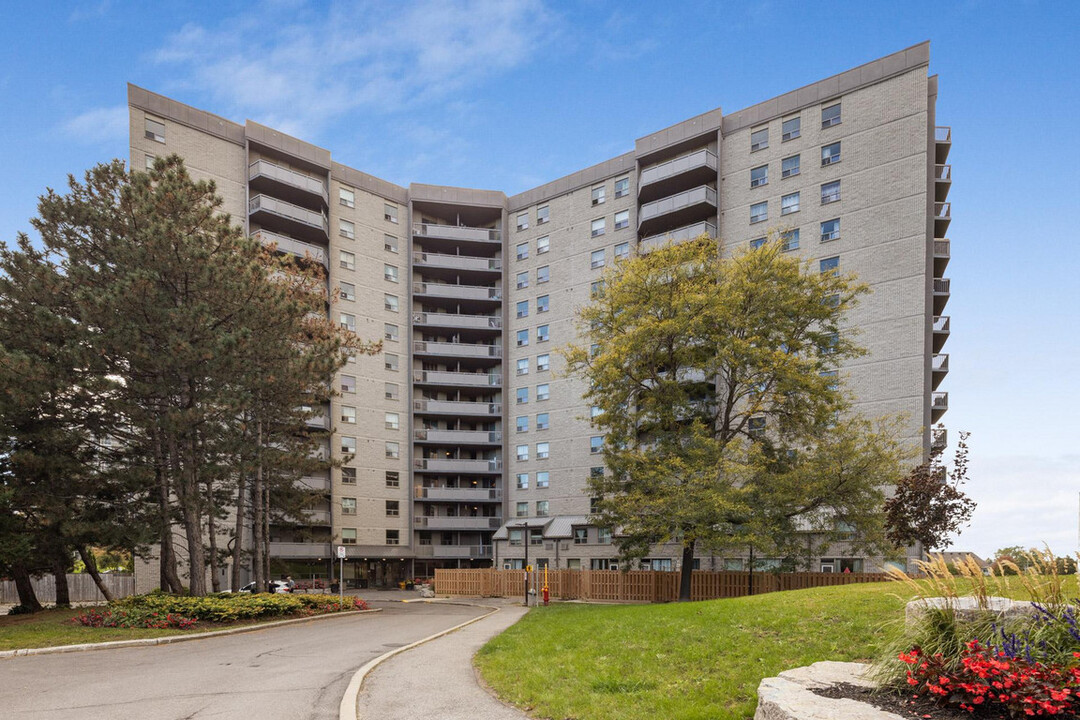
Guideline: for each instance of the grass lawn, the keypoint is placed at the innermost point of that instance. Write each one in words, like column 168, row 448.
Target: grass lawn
column 680, row 660
column 53, row 627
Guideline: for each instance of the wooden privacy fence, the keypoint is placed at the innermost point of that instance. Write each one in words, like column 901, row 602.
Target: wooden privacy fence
column 81, row 588
column 635, row 585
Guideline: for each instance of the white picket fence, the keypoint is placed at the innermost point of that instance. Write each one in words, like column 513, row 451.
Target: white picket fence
column 81, row 588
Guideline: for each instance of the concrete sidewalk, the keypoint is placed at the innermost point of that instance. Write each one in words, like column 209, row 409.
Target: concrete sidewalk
column 437, row 680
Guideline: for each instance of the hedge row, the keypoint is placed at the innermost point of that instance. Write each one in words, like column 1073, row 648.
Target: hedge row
column 230, row 607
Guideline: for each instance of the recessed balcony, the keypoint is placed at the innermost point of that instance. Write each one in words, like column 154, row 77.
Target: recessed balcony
column 939, row 405
column 458, row 437
column 452, row 320
column 939, row 365
column 456, row 262
column 457, row 407
column 942, row 253
column 941, row 294
column 465, row 379
column 444, row 522
column 452, row 494
column 942, row 143
column 678, row 235
column 312, row 518
column 457, row 292
column 265, row 176
column 676, row 175
column 457, row 350
column 942, row 218
column 939, row 438
column 685, row 208
column 461, row 552
column 286, row 244
column 290, row 550
column 942, row 182
column 458, row 233
column 314, row 483
column 457, row 465
column 941, row 331
column 299, row 222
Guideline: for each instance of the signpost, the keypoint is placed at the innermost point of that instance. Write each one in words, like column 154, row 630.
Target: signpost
column 341, row 574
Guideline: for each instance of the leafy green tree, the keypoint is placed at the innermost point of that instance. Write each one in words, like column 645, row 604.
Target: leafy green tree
column 724, row 424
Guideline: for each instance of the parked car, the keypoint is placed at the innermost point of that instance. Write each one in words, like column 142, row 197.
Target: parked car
column 276, row 586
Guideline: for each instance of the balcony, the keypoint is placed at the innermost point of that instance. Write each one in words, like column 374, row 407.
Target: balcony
column 939, row 439
column 457, row 350
column 942, row 143
column 465, row 495
column 311, row 517
column 457, row 407
column 941, row 256
column 942, row 218
column 443, row 522
column 939, row 365
column 300, row 550
column 688, row 232
column 449, row 377
column 451, row 320
column 457, row 292
column 939, row 404
column 265, row 176
column 941, row 331
column 458, row 437
column 314, row 483
column 676, row 175
column 286, row 244
column 942, row 182
column 456, row 262
column 292, row 219
column 457, row 465
column 320, row 420
column 458, row 233
column 685, row 208
column 471, row 552
column 941, row 294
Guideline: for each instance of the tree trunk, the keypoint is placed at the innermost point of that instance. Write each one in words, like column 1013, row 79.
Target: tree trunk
column 170, row 576
column 238, row 531
column 91, row 568
column 211, row 529
column 258, row 559
column 60, row 568
column 686, row 573
column 25, row 588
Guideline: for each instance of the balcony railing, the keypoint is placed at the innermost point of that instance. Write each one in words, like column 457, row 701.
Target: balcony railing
column 703, row 195
column 289, row 211
column 943, row 172
column 697, row 159
column 443, row 522
column 457, row 407
column 466, row 495
column 456, row 262
column 472, row 552
column 939, row 401
column 941, row 324
column 298, row 180
column 939, row 438
column 314, row 483
column 449, row 349
column 941, row 248
column 687, row 232
column 457, row 465
column 457, row 232
column 941, row 286
column 449, row 377
column 940, row 362
column 942, row 211
column 292, row 246
column 942, row 134
column 457, row 292
column 287, row 550
column 458, row 436
column 433, row 319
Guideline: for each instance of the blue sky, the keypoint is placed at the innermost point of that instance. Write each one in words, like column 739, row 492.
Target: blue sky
column 508, row 94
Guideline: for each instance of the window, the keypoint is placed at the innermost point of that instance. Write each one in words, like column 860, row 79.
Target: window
column 543, row 244
column 390, row 273
column 594, row 350
column 390, row 390
column 603, row 536
column 543, row 333
column 542, row 304
column 390, row 332
column 759, row 176
column 346, row 229
column 392, row 537
column 598, row 195
column 390, row 213
column 392, row 508
column 759, row 212
column 595, row 411
column 622, row 251
column 346, row 197
column 830, row 116
column 390, row 302
column 755, row 427
column 522, row 423
column 522, row 452
column 541, row 511
column 830, row 154
column 542, row 214
column 596, row 444
column 348, row 322
column 596, row 288
column 832, row 301
column 523, row 481
column 522, row 280
column 522, row 338
column 789, row 240
column 622, row 187
column 390, row 243
column 393, row 450
column 425, row 537
column 347, row 259
column 348, row 506
column 347, row 291
column 543, row 391
column 523, row 309
column 830, row 230
column 789, row 204
column 348, row 536
column 594, row 505
column 543, row 274
column 542, row 422
column 348, row 414
column 829, row 265
column 348, row 384
column 523, row 251
column 522, row 509
column 522, row 396
column 757, row 242
column 581, row 536
column 392, row 420
column 543, row 362
column 523, row 366
column 791, row 129
column 543, row 451
column 597, row 259
column 155, row 130
column 393, row 479
column 391, row 362
column 759, row 139
column 536, row 535
column 348, row 475
column 523, row 221
column 149, row 162
column 517, row 536
column 599, row 227
column 830, row 192
column 789, row 167
column 828, row 347
column 622, row 219
column 348, row 445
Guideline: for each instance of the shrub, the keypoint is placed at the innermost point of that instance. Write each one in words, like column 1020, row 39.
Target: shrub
column 116, row 618
column 231, row 607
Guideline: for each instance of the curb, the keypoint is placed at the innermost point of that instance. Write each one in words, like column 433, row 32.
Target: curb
column 347, row 708
column 84, row 647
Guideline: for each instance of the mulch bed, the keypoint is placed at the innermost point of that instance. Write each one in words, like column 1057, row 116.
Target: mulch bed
column 906, row 705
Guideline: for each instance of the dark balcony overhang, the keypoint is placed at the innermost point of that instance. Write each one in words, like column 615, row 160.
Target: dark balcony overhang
column 685, row 208
column 286, row 218
column 677, row 175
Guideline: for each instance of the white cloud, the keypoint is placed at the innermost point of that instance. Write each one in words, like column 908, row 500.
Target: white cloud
column 88, row 11
column 100, row 125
